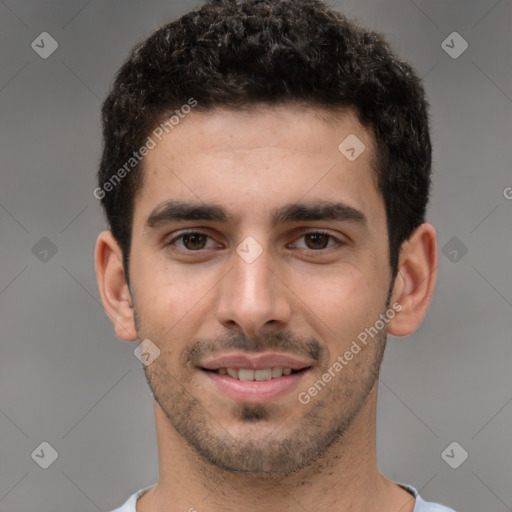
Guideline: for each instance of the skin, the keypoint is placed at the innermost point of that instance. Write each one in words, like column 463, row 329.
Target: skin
column 281, row 455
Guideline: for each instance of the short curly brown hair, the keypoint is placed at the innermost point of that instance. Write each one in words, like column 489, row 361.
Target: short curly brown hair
column 240, row 53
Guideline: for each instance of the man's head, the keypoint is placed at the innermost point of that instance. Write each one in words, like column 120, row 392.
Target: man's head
column 259, row 239
column 238, row 54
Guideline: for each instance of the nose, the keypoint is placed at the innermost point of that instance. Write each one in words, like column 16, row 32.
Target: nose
column 253, row 296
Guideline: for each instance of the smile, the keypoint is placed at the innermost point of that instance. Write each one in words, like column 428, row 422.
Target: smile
column 254, row 377
column 247, row 374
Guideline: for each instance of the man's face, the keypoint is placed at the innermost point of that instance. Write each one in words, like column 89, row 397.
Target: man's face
column 270, row 274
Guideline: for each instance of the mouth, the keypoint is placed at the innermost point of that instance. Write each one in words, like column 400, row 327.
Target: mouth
column 248, row 374
column 254, row 378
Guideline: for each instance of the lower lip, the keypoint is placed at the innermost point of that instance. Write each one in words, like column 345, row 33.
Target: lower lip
column 255, row 391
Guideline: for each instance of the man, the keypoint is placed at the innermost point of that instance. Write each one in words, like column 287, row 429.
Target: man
column 265, row 175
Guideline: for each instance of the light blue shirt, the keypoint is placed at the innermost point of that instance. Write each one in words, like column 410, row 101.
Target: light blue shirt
column 421, row 505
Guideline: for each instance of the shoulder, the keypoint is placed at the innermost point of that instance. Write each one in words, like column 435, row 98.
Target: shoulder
column 421, row 504
column 130, row 504
column 427, row 506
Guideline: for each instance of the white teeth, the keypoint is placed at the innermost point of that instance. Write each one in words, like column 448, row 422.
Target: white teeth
column 232, row 372
column 277, row 372
column 244, row 374
column 263, row 374
column 259, row 375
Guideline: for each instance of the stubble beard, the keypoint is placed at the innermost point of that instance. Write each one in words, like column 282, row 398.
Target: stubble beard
column 267, row 445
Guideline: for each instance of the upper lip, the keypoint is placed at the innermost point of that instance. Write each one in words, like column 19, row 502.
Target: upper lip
column 253, row 361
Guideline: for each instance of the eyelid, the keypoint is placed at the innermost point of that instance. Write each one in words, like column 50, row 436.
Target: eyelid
column 298, row 234
column 177, row 235
column 312, row 231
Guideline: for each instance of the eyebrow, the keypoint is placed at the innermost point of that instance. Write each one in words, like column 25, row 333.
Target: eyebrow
column 172, row 211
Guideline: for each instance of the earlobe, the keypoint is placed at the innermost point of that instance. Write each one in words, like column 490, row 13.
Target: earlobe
column 114, row 290
column 415, row 280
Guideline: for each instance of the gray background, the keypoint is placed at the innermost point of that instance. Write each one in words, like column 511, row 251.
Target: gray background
column 66, row 379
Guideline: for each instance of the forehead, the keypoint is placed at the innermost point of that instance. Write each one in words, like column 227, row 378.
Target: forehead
column 256, row 160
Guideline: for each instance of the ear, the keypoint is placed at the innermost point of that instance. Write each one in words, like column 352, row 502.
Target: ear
column 415, row 280
column 114, row 291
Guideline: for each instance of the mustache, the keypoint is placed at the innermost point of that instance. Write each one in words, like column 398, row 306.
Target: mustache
column 282, row 341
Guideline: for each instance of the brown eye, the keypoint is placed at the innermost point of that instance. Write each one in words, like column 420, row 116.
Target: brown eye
column 194, row 241
column 191, row 241
column 316, row 240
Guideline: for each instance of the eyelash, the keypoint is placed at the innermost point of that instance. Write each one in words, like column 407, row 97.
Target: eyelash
column 196, row 232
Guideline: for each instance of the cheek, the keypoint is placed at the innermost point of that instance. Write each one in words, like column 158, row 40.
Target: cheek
column 340, row 305
column 161, row 285
column 170, row 299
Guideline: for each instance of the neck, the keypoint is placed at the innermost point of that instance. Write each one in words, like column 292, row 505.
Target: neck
column 345, row 479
